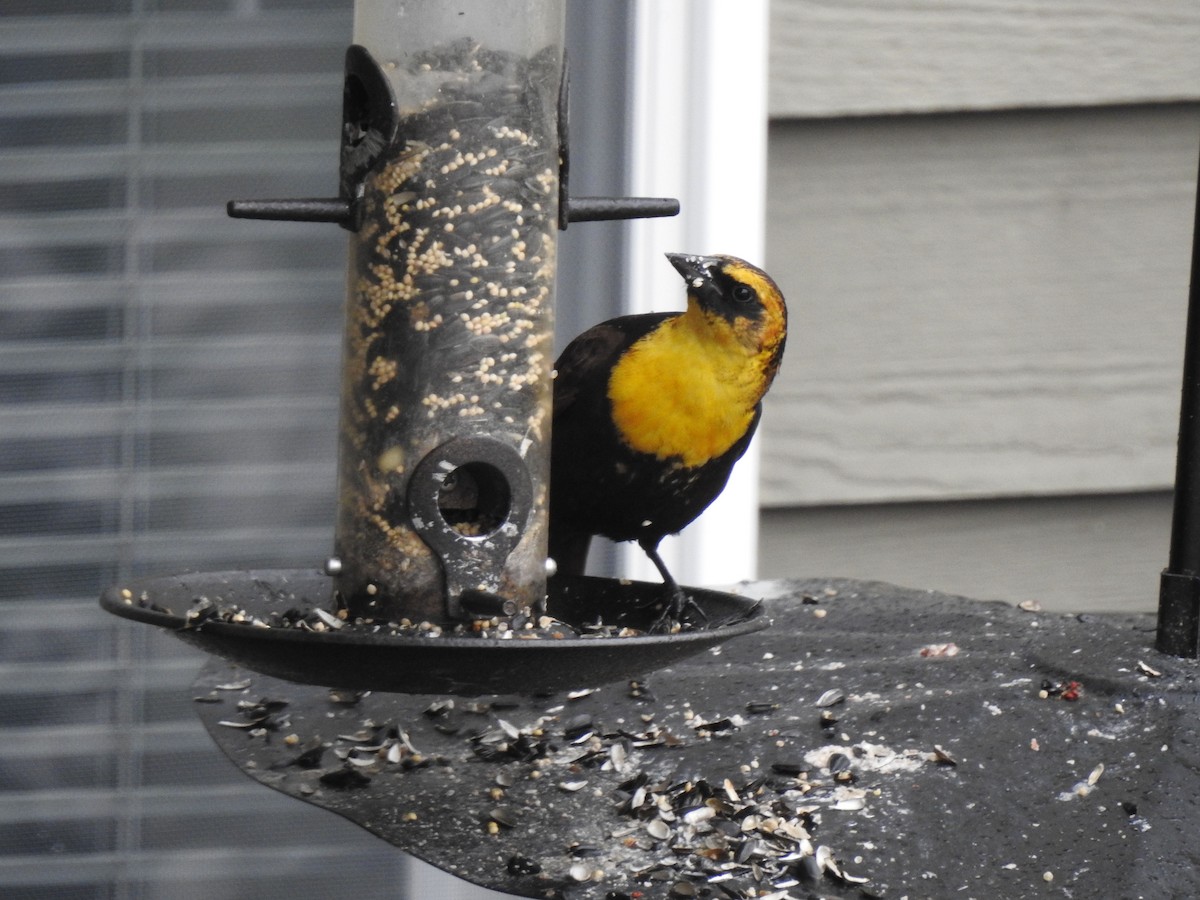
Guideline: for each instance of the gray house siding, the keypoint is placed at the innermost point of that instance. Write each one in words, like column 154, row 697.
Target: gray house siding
column 981, row 215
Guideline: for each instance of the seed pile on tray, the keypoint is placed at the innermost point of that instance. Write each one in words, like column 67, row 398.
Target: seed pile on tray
column 449, row 323
column 205, row 610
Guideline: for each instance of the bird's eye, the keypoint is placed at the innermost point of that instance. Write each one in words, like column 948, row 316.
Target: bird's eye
column 743, row 293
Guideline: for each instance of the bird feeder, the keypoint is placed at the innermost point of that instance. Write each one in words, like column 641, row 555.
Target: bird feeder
column 454, row 166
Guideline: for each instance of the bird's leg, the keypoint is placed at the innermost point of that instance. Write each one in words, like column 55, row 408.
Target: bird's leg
column 677, row 601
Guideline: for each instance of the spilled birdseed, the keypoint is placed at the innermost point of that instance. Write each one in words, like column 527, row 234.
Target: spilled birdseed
column 673, row 788
column 748, row 832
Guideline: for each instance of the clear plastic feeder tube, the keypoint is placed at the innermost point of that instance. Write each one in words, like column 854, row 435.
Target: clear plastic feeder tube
column 444, row 462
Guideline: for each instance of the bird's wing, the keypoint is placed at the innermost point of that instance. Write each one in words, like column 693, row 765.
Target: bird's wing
column 590, row 356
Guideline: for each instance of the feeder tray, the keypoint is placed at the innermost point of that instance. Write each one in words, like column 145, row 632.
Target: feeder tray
column 355, row 657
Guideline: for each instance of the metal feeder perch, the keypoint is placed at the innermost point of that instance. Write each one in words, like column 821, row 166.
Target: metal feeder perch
column 453, row 185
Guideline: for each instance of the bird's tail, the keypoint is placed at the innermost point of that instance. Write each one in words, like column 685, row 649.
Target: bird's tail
column 569, row 549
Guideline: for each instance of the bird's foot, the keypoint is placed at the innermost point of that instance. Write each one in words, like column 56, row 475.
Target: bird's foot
column 680, row 611
column 678, row 603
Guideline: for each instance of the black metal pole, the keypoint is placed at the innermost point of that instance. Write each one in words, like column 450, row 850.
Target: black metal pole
column 1179, row 589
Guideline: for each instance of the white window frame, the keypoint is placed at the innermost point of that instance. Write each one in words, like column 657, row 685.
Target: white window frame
column 699, row 133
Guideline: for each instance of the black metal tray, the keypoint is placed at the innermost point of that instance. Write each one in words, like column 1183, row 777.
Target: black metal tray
column 357, row 658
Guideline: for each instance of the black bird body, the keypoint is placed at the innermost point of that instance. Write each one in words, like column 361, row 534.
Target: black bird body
column 651, row 412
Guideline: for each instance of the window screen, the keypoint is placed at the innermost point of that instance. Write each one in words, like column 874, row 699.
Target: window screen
column 168, row 385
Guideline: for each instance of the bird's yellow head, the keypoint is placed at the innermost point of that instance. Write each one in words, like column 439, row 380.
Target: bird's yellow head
column 690, row 389
column 736, row 301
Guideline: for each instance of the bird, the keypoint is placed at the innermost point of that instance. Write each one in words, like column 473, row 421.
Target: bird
column 652, row 411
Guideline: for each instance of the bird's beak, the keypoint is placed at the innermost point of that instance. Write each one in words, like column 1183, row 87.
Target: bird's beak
column 698, row 272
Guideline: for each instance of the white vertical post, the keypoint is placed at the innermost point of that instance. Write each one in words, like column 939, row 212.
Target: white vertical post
column 699, row 133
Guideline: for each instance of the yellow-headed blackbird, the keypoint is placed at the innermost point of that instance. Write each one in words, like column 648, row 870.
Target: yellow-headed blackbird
column 652, row 411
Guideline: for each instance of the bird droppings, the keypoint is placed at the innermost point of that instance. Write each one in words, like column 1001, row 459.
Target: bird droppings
column 682, row 790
